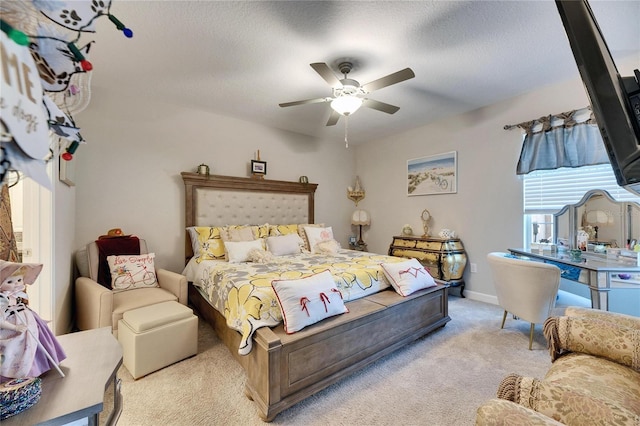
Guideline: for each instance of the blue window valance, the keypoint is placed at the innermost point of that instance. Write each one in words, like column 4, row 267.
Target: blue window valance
column 562, row 140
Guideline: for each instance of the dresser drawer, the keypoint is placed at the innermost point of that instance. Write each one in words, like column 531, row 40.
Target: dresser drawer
column 444, row 258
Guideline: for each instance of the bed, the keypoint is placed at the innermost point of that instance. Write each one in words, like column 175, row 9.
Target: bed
column 283, row 369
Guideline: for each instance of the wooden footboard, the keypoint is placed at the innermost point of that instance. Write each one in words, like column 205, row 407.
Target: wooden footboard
column 285, row 369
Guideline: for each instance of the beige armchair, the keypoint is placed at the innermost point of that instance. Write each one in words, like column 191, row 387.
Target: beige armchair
column 98, row 306
column 526, row 289
column 594, row 378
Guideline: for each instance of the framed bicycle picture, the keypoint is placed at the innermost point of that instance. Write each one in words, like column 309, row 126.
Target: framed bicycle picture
column 258, row 167
column 435, row 174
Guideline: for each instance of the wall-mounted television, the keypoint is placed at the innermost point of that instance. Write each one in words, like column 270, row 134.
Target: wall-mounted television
column 615, row 100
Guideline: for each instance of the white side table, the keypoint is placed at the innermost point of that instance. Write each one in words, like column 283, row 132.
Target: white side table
column 93, row 360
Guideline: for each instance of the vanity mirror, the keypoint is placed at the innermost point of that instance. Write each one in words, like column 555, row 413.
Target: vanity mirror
column 596, row 222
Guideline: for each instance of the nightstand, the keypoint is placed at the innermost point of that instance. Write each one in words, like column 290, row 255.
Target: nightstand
column 358, row 247
column 445, row 258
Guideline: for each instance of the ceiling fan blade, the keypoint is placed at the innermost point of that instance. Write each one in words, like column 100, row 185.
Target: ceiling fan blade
column 388, row 80
column 326, row 73
column 380, row 106
column 306, row 101
column 333, row 118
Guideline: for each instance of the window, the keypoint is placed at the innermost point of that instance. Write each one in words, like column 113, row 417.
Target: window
column 547, row 191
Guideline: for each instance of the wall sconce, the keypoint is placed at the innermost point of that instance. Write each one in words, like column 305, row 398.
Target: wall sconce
column 355, row 194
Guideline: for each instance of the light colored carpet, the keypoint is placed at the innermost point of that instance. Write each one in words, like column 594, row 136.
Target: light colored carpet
column 440, row 379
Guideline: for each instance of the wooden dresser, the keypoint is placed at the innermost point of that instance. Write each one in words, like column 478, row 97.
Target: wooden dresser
column 444, row 258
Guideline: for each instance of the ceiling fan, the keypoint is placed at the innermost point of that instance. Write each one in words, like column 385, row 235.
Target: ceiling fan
column 348, row 94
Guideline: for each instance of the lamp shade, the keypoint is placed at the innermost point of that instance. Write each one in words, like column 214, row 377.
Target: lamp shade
column 360, row 217
column 598, row 217
column 346, row 104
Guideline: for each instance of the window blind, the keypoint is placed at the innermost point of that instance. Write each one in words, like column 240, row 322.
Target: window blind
column 547, row 191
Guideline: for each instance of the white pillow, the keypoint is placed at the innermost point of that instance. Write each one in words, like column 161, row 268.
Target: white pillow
column 238, row 251
column 306, row 301
column 407, row 277
column 317, row 234
column 132, row 271
column 285, row 244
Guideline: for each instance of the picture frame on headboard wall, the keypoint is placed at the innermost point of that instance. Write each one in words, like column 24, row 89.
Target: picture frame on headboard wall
column 433, row 174
column 258, row 167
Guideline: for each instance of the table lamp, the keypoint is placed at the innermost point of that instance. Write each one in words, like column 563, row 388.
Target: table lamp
column 597, row 218
column 360, row 217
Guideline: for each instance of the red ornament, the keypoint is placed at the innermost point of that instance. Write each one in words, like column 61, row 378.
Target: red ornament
column 67, row 156
column 86, row 65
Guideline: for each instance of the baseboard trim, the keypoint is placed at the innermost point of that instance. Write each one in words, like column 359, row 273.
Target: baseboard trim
column 481, row 297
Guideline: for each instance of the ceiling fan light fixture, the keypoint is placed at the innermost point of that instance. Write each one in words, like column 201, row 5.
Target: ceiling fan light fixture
column 346, row 104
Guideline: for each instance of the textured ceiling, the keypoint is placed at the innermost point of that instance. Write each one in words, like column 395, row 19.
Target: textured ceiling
column 242, row 59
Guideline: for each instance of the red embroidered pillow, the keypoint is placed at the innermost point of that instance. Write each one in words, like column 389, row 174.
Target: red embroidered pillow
column 407, row 277
column 306, row 301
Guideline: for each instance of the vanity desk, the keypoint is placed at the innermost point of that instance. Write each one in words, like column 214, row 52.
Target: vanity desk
column 596, row 224
column 593, row 270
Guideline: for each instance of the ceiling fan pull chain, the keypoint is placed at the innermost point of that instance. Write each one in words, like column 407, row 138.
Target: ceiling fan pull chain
column 346, row 130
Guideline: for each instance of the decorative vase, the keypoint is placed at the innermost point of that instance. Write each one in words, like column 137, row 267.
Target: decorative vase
column 203, row 169
column 446, row 234
column 406, row 230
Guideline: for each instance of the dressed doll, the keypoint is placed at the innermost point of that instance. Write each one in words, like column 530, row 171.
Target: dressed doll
column 28, row 346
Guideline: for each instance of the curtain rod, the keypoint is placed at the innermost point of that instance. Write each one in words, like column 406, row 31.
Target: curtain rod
column 530, row 122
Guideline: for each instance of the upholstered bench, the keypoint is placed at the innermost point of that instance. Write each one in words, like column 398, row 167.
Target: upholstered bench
column 155, row 336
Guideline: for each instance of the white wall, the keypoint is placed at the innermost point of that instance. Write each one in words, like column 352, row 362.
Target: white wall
column 128, row 175
column 64, row 216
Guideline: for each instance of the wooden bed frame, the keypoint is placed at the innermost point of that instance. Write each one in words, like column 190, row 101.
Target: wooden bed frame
column 285, row 369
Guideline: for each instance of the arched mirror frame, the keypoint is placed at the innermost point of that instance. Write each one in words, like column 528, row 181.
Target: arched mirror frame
column 567, row 221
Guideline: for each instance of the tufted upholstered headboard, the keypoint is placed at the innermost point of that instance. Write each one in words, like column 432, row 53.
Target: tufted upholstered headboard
column 225, row 200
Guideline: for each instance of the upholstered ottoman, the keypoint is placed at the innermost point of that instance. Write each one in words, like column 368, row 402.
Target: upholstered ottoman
column 158, row 335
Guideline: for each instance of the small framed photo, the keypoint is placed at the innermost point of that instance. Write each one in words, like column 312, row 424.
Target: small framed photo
column 258, row 167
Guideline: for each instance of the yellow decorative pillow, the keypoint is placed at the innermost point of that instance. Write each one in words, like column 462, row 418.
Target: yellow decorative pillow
column 263, row 230
column 279, row 230
column 207, row 243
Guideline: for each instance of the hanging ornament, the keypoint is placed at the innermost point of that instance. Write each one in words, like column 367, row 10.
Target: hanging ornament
column 71, row 149
column 59, row 122
column 120, row 26
column 17, row 36
column 56, row 62
column 79, row 15
column 79, row 57
column 76, row 15
column 22, row 97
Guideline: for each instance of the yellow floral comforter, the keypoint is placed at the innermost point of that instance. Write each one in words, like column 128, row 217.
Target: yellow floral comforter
column 242, row 292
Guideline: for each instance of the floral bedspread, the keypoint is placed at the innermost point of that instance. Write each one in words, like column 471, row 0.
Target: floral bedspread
column 242, row 292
